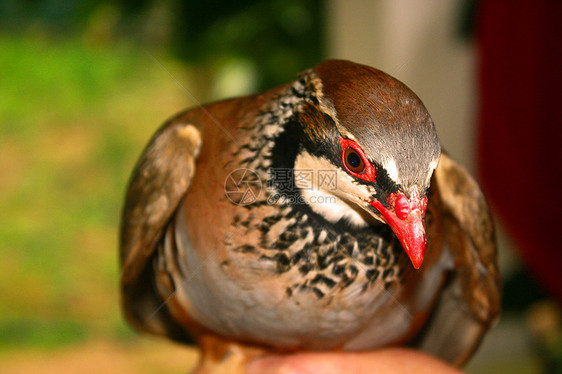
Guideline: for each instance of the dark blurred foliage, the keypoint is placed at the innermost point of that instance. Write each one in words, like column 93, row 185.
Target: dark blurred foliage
column 57, row 16
column 467, row 19
column 278, row 38
column 520, row 291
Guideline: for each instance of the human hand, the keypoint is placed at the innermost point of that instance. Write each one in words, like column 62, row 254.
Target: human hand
column 387, row 361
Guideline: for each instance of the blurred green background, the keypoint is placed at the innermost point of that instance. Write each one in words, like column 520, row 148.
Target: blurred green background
column 83, row 85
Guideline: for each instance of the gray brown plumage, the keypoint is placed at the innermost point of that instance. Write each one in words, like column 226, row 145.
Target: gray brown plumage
column 293, row 261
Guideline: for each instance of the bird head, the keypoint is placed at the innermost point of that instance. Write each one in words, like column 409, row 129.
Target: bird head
column 377, row 137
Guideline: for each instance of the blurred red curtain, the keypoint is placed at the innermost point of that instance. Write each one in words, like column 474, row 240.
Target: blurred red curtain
column 520, row 133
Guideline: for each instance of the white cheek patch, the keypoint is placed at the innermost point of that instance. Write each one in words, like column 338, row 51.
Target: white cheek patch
column 391, row 169
column 332, row 208
column 327, row 199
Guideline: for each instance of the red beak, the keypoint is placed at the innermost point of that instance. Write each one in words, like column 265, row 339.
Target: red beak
column 406, row 220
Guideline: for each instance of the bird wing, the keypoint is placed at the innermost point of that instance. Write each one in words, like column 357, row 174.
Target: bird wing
column 161, row 178
column 470, row 301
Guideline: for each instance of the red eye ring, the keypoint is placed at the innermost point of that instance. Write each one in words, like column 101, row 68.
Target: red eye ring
column 367, row 171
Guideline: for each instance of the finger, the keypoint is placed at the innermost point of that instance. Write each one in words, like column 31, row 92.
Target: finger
column 388, row 361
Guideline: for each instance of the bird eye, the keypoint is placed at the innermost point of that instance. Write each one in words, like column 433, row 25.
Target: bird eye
column 353, row 161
